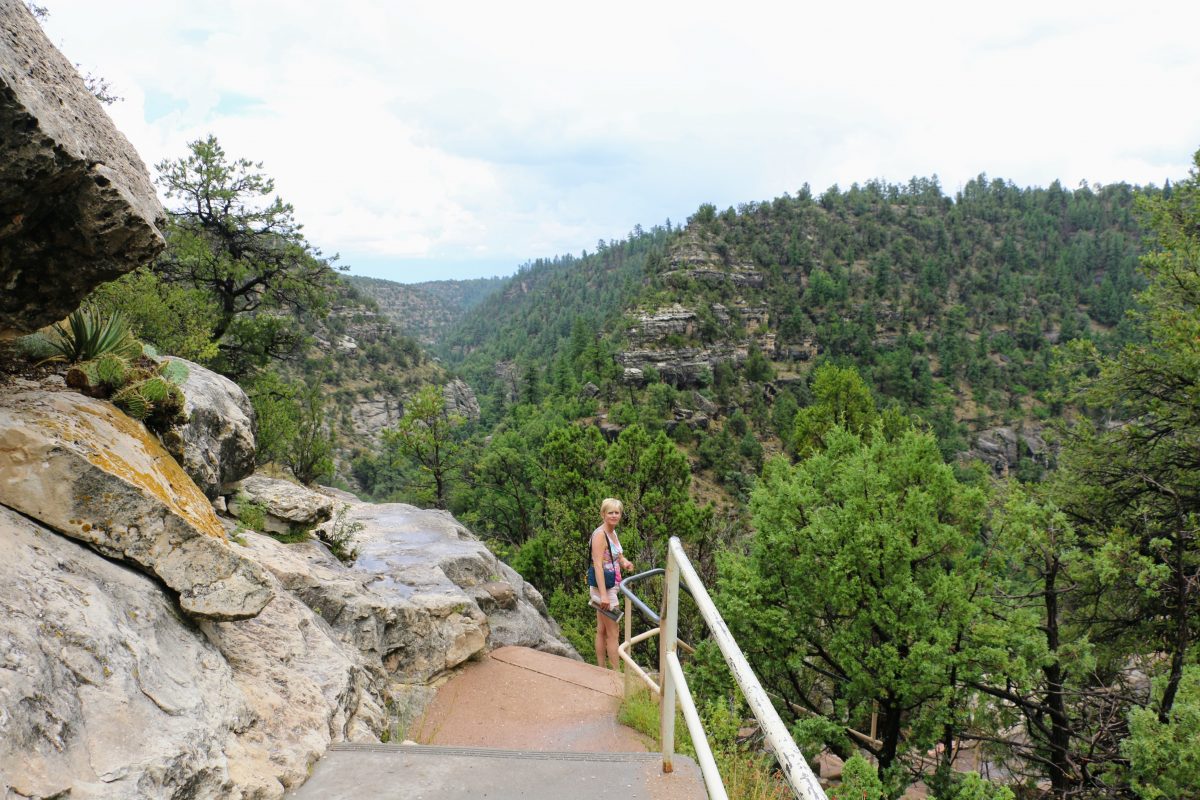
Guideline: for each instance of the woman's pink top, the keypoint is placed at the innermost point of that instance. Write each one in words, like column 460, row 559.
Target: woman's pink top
column 612, row 561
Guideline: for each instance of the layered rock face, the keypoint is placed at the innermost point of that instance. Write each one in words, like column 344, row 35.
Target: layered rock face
column 694, row 257
column 76, row 204
column 1002, row 448
column 370, row 415
column 651, row 347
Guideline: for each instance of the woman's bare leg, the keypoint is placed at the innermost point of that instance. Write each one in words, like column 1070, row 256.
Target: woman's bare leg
column 600, row 639
column 612, row 640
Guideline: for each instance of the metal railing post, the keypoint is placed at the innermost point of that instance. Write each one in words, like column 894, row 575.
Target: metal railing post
column 673, row 688
column 628, row 686
column 666, row 648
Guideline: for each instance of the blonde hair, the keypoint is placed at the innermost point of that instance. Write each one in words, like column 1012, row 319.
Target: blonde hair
column 611, row 504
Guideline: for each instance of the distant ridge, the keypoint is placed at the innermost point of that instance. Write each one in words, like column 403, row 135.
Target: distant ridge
column 425, row 310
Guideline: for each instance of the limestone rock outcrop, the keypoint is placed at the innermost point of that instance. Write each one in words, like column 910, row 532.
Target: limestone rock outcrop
column 673, row 320
column 1002, row 448
column 429, row 551
column 304, row 689
column 76, row 204
column 681, row 366
column 371, row 414
column 90, row 652
column 218, row 440
column 460, row 399
column 124, row 607
column 423, row 595
column 696, row 256
column 82, row 467
column 683, row 349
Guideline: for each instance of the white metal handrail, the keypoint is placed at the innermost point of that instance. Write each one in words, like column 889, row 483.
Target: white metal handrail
column 795, row 769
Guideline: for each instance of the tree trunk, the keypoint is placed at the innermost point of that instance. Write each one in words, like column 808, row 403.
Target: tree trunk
column 889, row 734
column 1060, row 730
column 1182, row 630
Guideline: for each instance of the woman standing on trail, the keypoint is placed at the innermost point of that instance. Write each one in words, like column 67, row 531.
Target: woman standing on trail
column 607, row 562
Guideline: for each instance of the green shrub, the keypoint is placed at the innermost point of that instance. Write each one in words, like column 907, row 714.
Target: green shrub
column 251, row 514
column 859, row 782
column 1164, row 757
column 340, row 536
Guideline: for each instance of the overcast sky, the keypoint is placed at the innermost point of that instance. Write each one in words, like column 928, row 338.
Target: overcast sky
column 461, row 139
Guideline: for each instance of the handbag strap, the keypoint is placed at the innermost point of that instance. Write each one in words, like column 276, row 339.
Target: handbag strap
column 608, row 544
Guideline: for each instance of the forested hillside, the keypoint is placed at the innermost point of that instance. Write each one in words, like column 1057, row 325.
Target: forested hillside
column 948, row 306
column 798, row 389
column 945, row 309
column 536, row 309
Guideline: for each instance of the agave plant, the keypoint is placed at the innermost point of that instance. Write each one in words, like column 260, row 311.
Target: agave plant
column 88, row 336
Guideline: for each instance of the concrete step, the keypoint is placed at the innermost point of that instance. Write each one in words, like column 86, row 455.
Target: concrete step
column 517, row 723
column 425, row 772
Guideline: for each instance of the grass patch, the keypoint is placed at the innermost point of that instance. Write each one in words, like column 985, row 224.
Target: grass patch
column 747, row 774
column 291, row 537
column 639, row 710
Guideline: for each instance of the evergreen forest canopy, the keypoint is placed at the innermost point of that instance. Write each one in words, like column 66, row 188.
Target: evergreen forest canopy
column 792, row 387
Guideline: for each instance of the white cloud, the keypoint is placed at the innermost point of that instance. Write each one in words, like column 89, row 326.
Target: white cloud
column 490, row 133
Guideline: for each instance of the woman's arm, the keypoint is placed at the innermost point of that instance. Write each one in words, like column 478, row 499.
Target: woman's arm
column 599, row 545
column 626, row 564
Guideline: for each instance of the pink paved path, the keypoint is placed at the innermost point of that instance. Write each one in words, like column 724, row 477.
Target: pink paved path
column 523, row 699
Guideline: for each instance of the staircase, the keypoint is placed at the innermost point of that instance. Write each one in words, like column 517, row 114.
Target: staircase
column 517, row 724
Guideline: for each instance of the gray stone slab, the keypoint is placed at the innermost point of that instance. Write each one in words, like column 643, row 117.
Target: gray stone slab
column 420, row 772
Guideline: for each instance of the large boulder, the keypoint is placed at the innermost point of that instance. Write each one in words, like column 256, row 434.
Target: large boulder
column 288, row 507
column 81, row 467
column 424, row 553
column 106, row 692
column 77, row 207
column 218, row 440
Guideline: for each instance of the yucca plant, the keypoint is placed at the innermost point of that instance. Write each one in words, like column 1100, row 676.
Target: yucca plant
column 88, row 335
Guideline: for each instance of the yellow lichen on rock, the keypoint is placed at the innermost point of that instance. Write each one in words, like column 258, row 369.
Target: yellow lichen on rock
column 162, row 477
column 81, row 467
